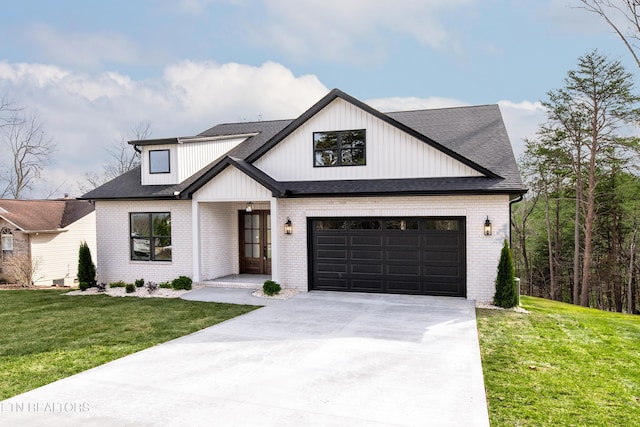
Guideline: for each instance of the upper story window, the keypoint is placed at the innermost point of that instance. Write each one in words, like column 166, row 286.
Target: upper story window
column 159, row 161
column 339, row 148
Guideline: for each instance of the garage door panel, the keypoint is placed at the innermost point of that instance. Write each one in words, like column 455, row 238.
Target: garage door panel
column 411, row 255
column 366, row 268
column 331, row 284
column 325, row 267
column 367, row 255
column 373, row 240
column 403, row 270
column 404, row 286
column 367, row 285
column 400, row 241
column 331, row 239
column 332, row 254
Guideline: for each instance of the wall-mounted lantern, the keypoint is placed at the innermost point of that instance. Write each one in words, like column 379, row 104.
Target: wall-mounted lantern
column 249, row 207
column 487, row 227
column 288, row 227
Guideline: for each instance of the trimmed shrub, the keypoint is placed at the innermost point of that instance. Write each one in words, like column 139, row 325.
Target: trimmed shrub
column 102, row 287
column 182, row 282
column 86, row 267
column 165, row 285
column 271, row 288
column 130, row 287
column 506, row 293
column 152, row 287
column 139, row 283
column 118, row 284
column 83, row 286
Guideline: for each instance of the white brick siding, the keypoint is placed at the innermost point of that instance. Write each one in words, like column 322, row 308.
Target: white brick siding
column 219, row 235
column 114, row 260
column 483, row 252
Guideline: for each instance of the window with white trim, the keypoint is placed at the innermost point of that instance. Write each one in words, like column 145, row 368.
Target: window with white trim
column 159, row 161
column 6, row 241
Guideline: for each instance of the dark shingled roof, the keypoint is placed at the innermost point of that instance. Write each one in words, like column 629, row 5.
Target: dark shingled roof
column 474, row 135
column 43, row 215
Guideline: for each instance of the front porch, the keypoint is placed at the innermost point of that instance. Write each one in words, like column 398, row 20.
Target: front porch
column 244, row 281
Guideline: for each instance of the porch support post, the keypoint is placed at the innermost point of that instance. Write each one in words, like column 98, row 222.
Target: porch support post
column 195, row 235
column 276, row 231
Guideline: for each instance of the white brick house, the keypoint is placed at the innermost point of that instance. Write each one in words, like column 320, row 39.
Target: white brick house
column 342, row 198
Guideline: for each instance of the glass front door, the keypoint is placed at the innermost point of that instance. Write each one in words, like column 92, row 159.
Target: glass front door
column 255, row 242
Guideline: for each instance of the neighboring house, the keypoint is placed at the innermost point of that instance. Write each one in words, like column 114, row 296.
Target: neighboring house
column 49, row 233
column 342, row 198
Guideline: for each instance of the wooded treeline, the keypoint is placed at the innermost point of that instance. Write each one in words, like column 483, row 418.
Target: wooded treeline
column 576, row 231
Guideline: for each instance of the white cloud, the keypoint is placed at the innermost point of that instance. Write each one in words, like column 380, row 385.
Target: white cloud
column 522, row 120
column 86, row 50
column 356, row 30
column 84, row 113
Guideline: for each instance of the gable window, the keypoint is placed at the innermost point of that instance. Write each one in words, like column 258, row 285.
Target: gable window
column 150, row 236
column 159, row 161
column 339, row 148
column 6, row 241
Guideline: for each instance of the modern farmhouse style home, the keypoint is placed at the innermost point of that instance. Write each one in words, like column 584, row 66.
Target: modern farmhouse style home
column 342, row 198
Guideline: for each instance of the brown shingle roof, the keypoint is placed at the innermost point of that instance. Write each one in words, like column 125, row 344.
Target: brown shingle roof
column 43, row 215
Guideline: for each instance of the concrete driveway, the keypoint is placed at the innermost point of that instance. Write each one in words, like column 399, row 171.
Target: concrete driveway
column 318, row 359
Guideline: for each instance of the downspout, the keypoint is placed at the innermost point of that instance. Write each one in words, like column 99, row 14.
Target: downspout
column 135, row 147
column 518, row 199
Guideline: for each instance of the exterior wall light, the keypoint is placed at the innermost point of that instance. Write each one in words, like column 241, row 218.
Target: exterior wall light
column 288, row 227
column 487, row 227
column 249, row 207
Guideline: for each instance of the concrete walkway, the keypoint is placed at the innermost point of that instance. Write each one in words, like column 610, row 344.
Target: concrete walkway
column 318, row 359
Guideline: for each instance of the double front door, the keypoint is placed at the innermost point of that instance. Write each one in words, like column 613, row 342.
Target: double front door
column 255, row 242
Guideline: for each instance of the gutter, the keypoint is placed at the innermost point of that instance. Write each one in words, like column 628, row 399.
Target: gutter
column 516, row 200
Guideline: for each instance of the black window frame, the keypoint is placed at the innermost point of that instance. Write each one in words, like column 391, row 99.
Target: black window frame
column 151, row 171
column 150, row 237
column 340, row 148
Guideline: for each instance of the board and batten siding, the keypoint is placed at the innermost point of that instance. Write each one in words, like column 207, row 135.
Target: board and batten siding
column 232, row 185
column 56, row 254
column 185, row 159
column 390, row 153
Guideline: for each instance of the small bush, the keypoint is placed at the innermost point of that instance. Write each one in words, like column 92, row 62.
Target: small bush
column 152, row 287
column 86, row 267
column 130, row 287
column 139, row 283
column 102, row 287
column 165, row 285
column 271, row 288
column 83, row 286
column 118, row 284
column 182, row 282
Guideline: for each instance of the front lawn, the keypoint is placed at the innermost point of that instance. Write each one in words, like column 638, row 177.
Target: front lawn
column 46, row 336
column 560, row 365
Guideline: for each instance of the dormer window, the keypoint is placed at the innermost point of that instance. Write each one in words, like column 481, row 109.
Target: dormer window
column 339, row 148
column 159, row 161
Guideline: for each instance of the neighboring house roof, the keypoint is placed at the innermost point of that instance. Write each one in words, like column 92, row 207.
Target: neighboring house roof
column 475, row 136
column 43, row 215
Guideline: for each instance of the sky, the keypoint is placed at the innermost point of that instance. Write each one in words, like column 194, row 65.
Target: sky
column 92, row 71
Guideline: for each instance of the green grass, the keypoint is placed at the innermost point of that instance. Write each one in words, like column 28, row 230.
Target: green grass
column 560, row 365
column 46, row 336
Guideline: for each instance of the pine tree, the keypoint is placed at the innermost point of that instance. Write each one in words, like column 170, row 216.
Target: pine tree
column 506, row 294
column 86, row 268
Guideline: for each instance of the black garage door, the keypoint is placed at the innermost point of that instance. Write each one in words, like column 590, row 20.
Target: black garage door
column 424, row 256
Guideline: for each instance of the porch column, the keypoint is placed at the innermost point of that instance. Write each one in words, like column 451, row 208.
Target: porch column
column 195, row 235
column 276, row 230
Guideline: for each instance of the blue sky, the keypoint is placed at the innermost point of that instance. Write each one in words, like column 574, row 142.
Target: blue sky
column 92, row 70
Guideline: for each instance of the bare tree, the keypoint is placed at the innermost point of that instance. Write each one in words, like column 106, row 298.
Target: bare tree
column 30, row 150
column 622, row 16
column 122, row 158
